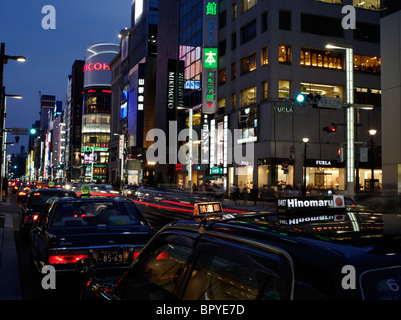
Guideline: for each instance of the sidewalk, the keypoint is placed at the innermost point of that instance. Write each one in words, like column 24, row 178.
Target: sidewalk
column 10, row 288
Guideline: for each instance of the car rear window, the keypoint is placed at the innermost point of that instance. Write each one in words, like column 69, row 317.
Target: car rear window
column 89, row 214
column 38, row 199
column 381, row 284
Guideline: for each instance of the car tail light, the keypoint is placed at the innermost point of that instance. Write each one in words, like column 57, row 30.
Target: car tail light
column 22, row 193
column 162, row 255
column 66, row 258
column 35, row 217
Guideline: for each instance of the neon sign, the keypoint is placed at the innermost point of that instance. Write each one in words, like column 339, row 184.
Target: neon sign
column 96, row 66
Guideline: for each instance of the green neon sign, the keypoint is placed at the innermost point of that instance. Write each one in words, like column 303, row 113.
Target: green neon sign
column 211, row 9
column 210, row 58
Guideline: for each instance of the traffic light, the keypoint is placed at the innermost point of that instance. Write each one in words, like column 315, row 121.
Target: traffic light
column 300, row 98
column 330, row 129
column 340, row 154
column 32, row 131
column 303, row 99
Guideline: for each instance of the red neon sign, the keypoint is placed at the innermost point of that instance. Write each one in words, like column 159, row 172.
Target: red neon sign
column 96, row 66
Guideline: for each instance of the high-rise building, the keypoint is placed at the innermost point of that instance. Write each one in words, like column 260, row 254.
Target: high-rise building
column 73, row 121
column 244, row 64
column 95, row 132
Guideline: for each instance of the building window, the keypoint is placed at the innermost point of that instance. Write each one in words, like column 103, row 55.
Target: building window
column 264, row 22
column 222, row 76
column 233, row 70
column 221, row 103
column 331, row 1
column 222, row 48
column 285, row 20
column 321, row 25
column 263, row 56
column 248, row 96
column 248, row 63
column 233, row 41
column 367, row 32
column 326, row 90
column 248, row 123
column 367, row 64
column 234, row 11
column 233, row 101
column 264, row 90
column 322, row 58
column 284, row 54
column 367, row 4
column 284, row 89
column 248, row 4
column 248, row 32
column 222, row 19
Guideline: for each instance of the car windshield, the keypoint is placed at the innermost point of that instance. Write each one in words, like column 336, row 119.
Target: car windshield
column 95, row 213
column 38, row 199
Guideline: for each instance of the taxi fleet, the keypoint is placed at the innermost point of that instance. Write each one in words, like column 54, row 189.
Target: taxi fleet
column 309, row 248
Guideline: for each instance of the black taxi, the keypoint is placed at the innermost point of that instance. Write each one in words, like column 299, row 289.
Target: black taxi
column 34, row 203
column 309, row 248
column 109, row 229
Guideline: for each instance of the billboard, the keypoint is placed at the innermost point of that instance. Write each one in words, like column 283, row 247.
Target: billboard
column 96, row 69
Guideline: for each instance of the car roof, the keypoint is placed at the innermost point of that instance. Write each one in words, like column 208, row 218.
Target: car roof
column 369, row 246
column 93, row 199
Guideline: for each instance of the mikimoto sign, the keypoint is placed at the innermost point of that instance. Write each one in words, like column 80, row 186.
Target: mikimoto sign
column 332, row 202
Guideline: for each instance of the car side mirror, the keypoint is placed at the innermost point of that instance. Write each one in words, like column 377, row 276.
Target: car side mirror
column 86, row 265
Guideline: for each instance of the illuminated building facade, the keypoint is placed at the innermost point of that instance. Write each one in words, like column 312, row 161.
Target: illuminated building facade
column 96, row 111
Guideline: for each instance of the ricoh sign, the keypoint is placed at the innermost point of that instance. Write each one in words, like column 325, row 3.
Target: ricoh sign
column 96, row 69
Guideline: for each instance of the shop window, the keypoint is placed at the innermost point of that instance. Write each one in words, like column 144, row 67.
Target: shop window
column 248, row 63
column 283, row 89
column 284, row 54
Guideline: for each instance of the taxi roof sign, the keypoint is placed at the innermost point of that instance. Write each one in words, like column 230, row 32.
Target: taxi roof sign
column 207, row 208
column 50, row 184
column 322, row 202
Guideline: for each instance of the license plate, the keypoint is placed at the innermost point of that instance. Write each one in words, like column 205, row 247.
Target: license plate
column 110, row 256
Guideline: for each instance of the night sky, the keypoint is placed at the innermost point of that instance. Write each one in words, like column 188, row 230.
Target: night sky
column 51, row 53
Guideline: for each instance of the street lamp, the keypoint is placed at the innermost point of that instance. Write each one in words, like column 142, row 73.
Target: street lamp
column 4, row 138
column 305, row 140
column 3, row 60
column 372, row 133
column 349, row 69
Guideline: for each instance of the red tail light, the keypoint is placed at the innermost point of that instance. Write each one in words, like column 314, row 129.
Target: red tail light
column 162, row 255
column 22, row 193
column 35, row 217
column 69, row 258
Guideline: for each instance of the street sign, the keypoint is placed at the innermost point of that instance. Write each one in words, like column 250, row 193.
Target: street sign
column 330, row 103
column 19, row 131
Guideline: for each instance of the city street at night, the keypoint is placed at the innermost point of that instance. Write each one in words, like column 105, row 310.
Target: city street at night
column 204, row 156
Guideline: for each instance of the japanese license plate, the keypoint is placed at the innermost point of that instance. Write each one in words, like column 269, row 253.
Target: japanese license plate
column 110, row 256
